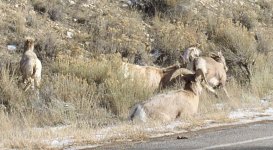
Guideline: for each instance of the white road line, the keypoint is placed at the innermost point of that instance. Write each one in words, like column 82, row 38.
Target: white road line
column 237, row 143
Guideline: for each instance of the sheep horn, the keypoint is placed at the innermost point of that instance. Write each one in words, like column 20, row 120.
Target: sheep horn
column 182, row 72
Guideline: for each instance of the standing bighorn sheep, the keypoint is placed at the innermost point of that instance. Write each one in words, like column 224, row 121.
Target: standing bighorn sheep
column 30, row 66
column 171, row 105
column 214, row 69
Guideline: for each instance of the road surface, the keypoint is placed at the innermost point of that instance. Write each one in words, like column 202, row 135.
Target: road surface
column 258, row 136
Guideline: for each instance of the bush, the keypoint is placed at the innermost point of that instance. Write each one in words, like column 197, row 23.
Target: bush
column 239, row 47
column 265, row 42
column 153, row 7
column 172, row 39
column 125, row 34
column 55, row 13
column 40, row 6
column 53, row 8
column 46, row 47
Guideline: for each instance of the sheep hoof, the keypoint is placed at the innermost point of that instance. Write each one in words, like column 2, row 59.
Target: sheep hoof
column 181, row 137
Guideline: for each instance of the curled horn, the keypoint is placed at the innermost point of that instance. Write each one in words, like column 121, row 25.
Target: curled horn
column 182, row 72
column 215, row 56
column 218, row 54
column 175, row 66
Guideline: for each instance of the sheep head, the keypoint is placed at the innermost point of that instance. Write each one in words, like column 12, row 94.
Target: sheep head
column 29, row 44
column 190, row 53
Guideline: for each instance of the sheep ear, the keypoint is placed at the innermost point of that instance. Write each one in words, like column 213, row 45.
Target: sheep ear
column 30, row 39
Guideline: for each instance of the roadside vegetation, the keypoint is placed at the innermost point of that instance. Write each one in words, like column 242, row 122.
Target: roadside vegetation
column 82, row 43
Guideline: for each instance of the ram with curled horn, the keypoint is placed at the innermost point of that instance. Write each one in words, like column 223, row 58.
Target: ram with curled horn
column 171, row 105
column 189, row 55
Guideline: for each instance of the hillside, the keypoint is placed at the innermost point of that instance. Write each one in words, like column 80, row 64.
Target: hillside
column 82, row 43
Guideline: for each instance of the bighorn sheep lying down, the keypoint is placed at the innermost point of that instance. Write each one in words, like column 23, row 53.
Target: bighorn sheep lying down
column 213, row 67
column 152, row 77
column 30, row 66
column 171, row 105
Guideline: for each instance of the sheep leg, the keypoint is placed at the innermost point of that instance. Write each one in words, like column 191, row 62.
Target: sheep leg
column 225, row 90
column 24, row 80
column 27, row 86
column 205, row 79
column 37, row 83
column 210, row 89
column 30, row 83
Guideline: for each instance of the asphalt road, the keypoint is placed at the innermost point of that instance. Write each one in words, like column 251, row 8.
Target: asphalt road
column 258, row 136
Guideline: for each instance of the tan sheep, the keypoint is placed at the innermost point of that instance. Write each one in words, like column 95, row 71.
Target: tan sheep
column 171, row 105
column 30, row 66
column 214, row 68
column 152, row 77
column 215, row 71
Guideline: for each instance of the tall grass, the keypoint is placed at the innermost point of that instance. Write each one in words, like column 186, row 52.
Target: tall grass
column 84, row 91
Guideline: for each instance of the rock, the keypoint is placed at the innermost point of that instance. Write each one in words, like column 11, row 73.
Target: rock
column 72, row 2
column 69, row 34
column 11, row 48
column 181, row 137
column 124, row 5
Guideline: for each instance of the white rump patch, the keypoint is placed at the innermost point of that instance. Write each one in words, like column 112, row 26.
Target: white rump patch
column 214, row 81
column 138, row 113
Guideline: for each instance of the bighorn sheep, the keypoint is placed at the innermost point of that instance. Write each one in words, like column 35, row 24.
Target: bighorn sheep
column 214, row 68
column 189, row 55
column 30, row 66
column 152, row 77
column 215, row 71
column 171, row 105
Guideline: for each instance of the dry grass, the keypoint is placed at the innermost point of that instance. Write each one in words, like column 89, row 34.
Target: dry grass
column 84, row 92
column 262, row 77
column 114, row 92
